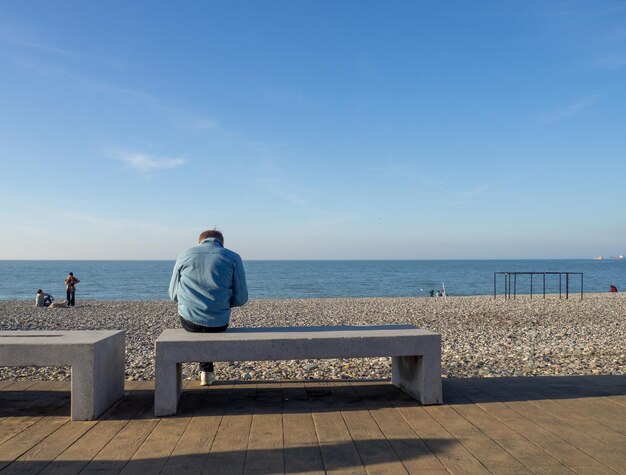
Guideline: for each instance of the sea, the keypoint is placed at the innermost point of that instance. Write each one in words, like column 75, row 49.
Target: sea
column 149, row 280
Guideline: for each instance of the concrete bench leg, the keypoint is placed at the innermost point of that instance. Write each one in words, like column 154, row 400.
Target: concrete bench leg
column 419, row 377
column 98, row 379
column 168, row 387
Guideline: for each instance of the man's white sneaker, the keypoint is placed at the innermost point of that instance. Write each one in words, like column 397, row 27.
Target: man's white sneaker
column 206, row 378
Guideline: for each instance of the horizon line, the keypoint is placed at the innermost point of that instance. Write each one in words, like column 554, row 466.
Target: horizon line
column 340, row 260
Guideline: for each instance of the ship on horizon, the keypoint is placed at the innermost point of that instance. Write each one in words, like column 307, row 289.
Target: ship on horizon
column 601, row 258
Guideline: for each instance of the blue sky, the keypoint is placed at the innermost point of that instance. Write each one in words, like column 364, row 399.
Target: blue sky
column 313, row 130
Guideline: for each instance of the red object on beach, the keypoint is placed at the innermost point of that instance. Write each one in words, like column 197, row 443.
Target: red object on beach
column 613, row 289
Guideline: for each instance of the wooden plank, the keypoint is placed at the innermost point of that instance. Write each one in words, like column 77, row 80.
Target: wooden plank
column 153, row 454
column 19, row 392
column 621, row 400
column 491, row 454
column 301, row 448
column 115, row 455
column 583, row 395
column 532, row 456
column 21, row 443
column 265, row 444
column 6, row 382
column 536, row 407
column 30, row 401
column 193, row 447
column 81, row 452
column 155, row 451
column 13, row 402
column 339, row 453
column 376, row 451
column 18, row 386
column 448, row 451
column 373, row 419
column 228, row 451
column 580, row 423
column 596, row 450
column 566, row 453
column 607, row 412
column 39, row 456
column 583, row 417
column 21, row 414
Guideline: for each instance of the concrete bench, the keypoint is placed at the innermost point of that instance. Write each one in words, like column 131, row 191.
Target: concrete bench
column 415, row 354
column 96, row 358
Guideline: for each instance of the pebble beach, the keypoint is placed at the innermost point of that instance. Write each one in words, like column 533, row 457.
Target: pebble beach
column 481, row 337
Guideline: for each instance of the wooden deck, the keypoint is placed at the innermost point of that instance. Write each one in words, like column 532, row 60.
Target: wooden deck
column 490, row 425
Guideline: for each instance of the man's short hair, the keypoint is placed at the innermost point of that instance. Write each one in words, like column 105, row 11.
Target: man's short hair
column 213, row 233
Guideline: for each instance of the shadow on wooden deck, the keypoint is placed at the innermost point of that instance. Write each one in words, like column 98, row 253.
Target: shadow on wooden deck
column 275, row 396
column 300, row 460
column 562, row 424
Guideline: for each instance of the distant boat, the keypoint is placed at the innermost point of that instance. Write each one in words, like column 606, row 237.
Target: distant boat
column 617, row 257
column 599, row 258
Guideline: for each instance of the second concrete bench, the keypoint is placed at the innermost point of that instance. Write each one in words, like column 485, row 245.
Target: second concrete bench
column 96, row 358
column 415, row 354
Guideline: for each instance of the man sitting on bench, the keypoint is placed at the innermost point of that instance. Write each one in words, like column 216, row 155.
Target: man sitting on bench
column 207, row 281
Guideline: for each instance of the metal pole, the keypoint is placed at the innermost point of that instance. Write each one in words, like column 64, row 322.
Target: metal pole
column 544, row 285
column 506, row 284
column 531, row 286
column 567, row 285
column 581, row 286
column 560, row 276
column 514, row 285
column 494, row 285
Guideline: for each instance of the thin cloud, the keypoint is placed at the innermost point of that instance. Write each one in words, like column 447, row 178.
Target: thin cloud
column 109, row 222
column 286, row 191
column 278, row 183
column 19, row 39
column 479, row 191
column 572, row 109
column 43, row 57
column 147, row 163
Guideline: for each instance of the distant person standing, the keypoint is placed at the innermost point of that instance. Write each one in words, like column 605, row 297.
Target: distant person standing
column 70, row 289
column 43, row 299
column 207, row 281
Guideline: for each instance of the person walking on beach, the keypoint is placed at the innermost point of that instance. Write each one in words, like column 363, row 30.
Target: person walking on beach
column 207, row 281
column 43, row 299
column 70, row 289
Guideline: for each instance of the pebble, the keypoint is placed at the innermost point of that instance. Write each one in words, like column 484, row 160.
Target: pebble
column 481, row 337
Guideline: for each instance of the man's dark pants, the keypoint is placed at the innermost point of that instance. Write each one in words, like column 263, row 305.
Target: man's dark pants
column 192, row 327
column 70, row 298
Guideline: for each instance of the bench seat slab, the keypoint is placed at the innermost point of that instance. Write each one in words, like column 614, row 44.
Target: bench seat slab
column 415, row 353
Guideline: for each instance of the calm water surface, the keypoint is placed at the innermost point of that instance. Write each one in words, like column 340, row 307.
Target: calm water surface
column 149, row 280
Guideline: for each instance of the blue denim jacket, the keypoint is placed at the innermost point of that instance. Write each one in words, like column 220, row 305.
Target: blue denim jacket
column 207, row 281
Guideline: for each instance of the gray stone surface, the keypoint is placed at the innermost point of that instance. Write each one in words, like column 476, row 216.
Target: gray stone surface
column 95, row 356
column 416, row 354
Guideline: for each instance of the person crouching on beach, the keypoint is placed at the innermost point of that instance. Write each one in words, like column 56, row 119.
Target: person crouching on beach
column 207, row 281
column 70, row 289
column 43, row 299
